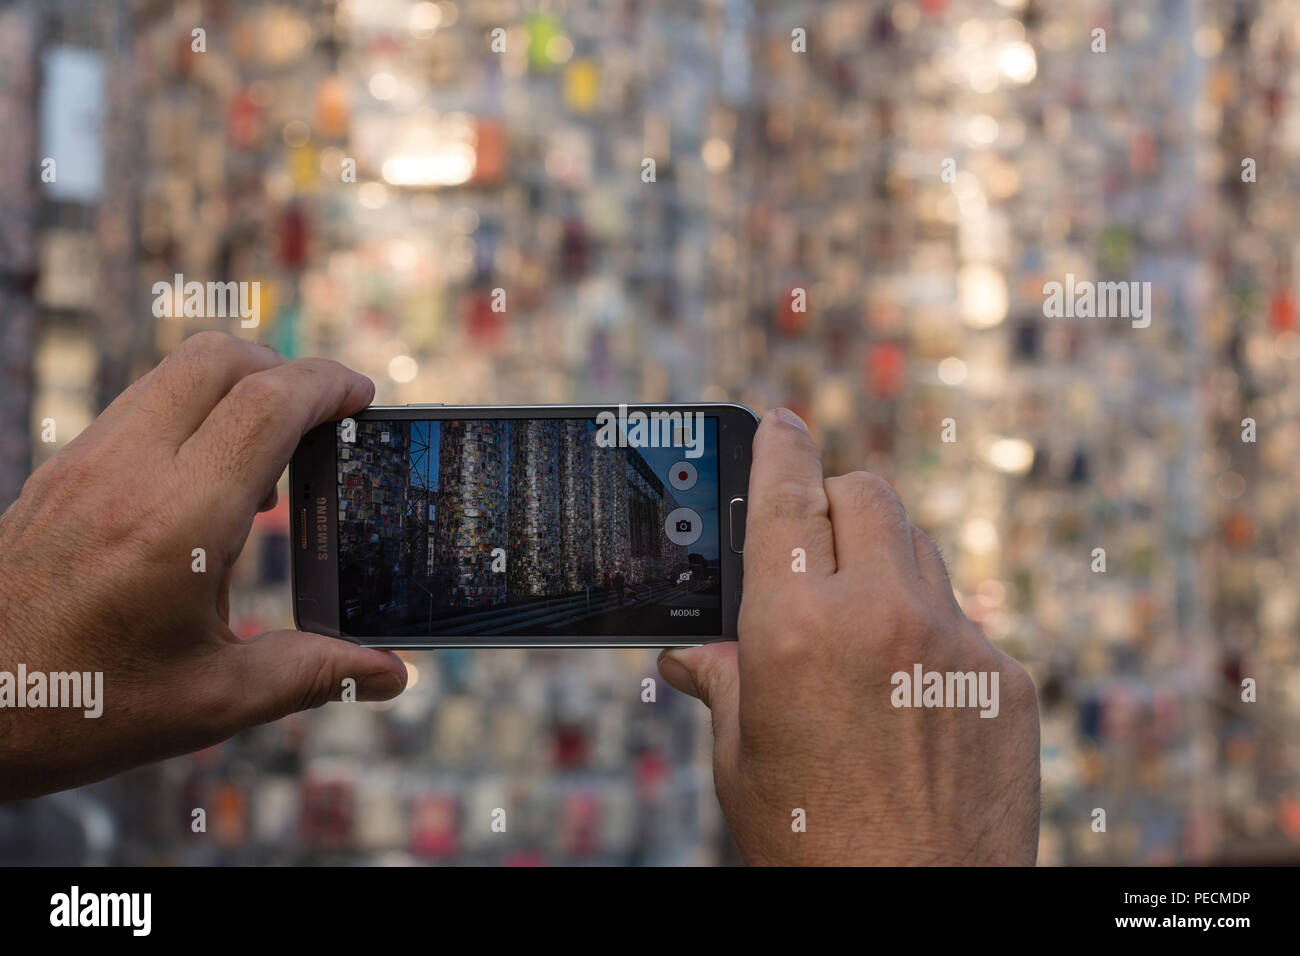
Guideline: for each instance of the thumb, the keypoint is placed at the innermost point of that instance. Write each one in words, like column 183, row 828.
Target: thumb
column 710, row 673
column 282, row 672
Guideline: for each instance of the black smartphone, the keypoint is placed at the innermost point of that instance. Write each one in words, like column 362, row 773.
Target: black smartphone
column 426, row 526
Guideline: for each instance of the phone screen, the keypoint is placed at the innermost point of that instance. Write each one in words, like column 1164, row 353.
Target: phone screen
column 529, row 527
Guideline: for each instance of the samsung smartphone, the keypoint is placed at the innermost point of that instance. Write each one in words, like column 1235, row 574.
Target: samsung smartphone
column 522, row 526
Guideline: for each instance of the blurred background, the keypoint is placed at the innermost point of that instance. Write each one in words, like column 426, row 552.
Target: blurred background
column 913, row 171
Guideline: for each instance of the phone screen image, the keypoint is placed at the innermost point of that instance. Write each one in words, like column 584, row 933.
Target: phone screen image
column 537, row 527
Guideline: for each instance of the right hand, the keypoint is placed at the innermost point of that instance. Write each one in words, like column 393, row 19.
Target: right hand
column 801, row 705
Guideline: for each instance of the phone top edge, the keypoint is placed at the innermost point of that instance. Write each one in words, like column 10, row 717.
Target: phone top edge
column 441, row 408
column 515, row 645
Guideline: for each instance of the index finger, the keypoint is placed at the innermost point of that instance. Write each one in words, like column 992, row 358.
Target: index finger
column 243, row 446
column 787, row 508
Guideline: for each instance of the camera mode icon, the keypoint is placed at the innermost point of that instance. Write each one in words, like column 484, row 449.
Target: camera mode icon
column 683, row 526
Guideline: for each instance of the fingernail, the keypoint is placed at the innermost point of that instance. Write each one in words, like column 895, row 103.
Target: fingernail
column 790, row 418
column 668, row 664
column 382, row 686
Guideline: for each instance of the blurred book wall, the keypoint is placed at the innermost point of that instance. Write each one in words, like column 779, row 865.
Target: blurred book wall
column 850, row 208
column 18, row 216
column 92, row 338
column 1251, row 397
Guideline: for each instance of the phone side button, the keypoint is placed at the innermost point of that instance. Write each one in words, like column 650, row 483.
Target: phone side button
column 737, row 522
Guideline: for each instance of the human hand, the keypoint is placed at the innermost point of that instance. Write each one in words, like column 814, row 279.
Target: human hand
column 96, row 568
column 803, row 706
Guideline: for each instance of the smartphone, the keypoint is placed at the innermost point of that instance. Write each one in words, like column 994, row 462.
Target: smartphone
column 425, row 526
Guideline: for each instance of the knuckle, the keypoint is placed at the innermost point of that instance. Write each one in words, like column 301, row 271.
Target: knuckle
column 202, row 358
column 208, row 346
column 871, row 493
column 258, row 396
column 793, row 499
column 38, row 479
column 325, row 375
column 224, row 706
column 802, row 618
column 314, row 367
column 782, row 634
column 1018, row 689
column 122, row 517
column 66, row 478
column 912, row 620
column 315, row 683
column 786, row 649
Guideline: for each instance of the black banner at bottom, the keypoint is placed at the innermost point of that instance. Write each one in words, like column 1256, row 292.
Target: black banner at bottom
column 587, row 905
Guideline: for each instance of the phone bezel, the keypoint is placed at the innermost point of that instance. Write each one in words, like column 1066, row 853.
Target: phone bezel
column 313, row 475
